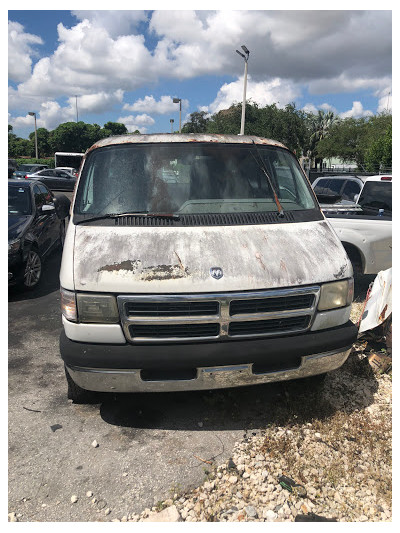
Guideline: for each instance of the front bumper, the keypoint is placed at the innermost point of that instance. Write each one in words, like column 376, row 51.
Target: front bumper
column 155, row 368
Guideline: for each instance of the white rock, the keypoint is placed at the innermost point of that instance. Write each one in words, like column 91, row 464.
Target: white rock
column 74, row 498
column 95, row 444
column 89, row 494
column 12, row 517
column 269, row 515
column 107, row 511
column 170, row 514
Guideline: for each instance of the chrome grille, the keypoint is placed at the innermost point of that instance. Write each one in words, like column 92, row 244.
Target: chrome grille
column 221, row 316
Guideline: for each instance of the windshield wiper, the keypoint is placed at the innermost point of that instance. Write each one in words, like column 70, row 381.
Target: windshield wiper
column 261, row 164
column 129, row 214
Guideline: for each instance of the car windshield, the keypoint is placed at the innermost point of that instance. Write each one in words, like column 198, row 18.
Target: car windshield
column 190, row 178
column 19, row 200
column 377, row 195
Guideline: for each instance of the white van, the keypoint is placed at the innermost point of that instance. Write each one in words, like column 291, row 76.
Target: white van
column 199, row 261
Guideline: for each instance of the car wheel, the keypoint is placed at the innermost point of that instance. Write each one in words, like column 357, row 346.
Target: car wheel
column 33, row 269
column 76, row 393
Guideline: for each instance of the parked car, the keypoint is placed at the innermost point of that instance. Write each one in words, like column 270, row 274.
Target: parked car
column 237, row 280
column 370, row 192
column 71, row 170
column 12, row 166
column 363, row 224
column 55, row 179
column 23, row 170
column 36, row 224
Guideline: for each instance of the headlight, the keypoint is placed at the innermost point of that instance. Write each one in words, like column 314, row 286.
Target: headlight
column 97, row 308
column 336, row 294
column 68, row 305
column 13, row 246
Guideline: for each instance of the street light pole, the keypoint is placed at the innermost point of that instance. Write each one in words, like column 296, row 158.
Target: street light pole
column 176, row 100
column 172, row 122
column 246, row 59
column 32, row 114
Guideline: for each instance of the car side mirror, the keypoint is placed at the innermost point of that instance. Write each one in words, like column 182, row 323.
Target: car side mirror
column 47, row 208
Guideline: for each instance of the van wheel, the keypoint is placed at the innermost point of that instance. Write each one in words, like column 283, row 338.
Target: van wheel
column 76, row 393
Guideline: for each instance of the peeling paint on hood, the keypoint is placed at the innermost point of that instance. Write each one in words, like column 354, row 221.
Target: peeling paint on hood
column 178, row 259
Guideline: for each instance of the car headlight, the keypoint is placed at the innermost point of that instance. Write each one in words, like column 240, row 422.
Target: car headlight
column 68, row 305
column 336, row 294
column 13, row 246
column 97, row 308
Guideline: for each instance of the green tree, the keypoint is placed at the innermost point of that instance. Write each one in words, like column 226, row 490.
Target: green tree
column 113, row 128
column 74, row 137
column 197, row 123
column 379, row 154
column 42, row 142
column 320, row 126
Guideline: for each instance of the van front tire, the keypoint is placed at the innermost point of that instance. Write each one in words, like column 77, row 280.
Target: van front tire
column 76, row 393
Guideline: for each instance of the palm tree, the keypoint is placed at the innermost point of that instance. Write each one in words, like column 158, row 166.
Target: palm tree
column 320, row 125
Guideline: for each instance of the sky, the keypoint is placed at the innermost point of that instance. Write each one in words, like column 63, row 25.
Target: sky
column 127, row 65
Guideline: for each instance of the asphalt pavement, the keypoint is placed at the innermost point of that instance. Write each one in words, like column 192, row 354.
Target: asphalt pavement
column 150, row 446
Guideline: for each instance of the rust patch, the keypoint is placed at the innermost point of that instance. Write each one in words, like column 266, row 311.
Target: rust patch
column 258, row 257
column 164, row 272
column 180, row 262
column 382, row 315
column 124, row 265
column 340, row 273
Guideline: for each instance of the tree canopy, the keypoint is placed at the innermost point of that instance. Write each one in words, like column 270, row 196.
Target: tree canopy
column 367, row 141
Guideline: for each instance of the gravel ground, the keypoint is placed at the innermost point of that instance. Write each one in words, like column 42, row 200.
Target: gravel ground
column 333, row 438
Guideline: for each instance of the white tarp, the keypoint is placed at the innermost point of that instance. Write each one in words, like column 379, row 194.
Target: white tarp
column 379, row 305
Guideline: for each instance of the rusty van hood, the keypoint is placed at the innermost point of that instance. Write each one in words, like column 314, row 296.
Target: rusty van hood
column 178, row 259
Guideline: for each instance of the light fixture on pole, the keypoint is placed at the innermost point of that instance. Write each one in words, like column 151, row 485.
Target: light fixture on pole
column 176, row 101
column 172, row 122
column 32, row 114
column 246, row 59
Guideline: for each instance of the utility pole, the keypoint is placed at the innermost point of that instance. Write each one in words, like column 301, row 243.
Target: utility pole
column 32, row 114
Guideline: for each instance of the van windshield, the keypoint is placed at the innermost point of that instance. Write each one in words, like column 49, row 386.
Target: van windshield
column 191, row 178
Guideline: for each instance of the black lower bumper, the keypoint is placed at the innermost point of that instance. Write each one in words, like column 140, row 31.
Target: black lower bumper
column 267, row 354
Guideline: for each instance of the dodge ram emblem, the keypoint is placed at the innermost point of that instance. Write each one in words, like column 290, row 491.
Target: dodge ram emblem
column 216, row 272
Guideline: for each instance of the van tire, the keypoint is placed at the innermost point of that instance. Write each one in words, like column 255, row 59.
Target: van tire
column 76, row 393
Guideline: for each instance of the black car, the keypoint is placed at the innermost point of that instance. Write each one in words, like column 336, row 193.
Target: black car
column 22, row 171
column 36, row 224
column 12, row 167
column 55, row 179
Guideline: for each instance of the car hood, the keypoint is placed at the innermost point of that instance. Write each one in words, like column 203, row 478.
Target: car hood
column 17, row 224
column 178, row 259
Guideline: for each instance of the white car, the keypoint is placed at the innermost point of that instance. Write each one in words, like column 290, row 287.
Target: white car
column 71, row 170
column 349, row 188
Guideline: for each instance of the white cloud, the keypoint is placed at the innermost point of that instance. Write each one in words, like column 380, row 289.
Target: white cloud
column 97, row 103
column 357, row 111
column 20, row 52
column 117, row 22
column 310, row 108
column 385, row 100
column 149, row 104
column 140, row 122
column 262, row 92
column 328, row 107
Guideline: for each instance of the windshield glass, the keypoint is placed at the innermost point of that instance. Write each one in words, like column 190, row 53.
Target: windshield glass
column 19, row 200
column 377, row 194
column 190, row 178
